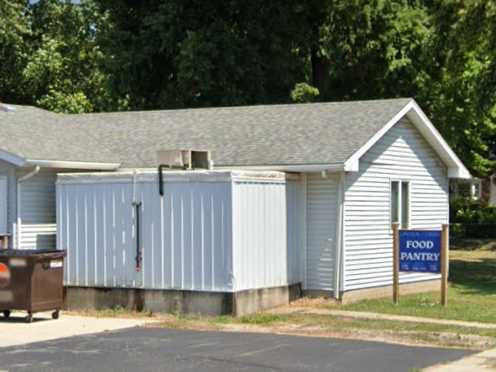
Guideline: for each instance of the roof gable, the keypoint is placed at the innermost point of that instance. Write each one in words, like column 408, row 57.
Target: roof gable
column 417, row 117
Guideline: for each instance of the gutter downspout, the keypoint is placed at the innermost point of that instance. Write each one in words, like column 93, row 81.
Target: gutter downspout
column 137, row 210
column 339, row 237
column 31, row 174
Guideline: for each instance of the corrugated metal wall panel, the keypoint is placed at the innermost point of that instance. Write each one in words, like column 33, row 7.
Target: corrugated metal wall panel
column 267, row 233
column 322, row 204
column 186, row 235
column 401, row 154
column 38, row 218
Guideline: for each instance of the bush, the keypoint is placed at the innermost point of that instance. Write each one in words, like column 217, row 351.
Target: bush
column 469, row 211
column 472, row 219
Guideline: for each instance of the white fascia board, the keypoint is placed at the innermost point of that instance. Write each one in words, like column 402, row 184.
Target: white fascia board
column 456, row 169
column 12, row 158
column 336, row 167
column 72, row 164
column 352, row 164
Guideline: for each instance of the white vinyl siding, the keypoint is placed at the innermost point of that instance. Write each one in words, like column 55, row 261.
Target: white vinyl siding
column 402, row 154
column 37, row 211
column 4, row 201
column 322, row 196
column 7, row 171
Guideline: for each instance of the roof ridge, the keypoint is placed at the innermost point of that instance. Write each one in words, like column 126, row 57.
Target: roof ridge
column 241, row 107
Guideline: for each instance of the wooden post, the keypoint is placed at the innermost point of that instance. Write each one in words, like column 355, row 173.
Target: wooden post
column 444, row 264
column 396, row 263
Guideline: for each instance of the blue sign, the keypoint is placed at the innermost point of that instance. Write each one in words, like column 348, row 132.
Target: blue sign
column 420, row 251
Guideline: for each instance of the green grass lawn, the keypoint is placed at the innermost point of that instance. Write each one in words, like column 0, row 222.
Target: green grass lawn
column 342, row 327
column 471, row 294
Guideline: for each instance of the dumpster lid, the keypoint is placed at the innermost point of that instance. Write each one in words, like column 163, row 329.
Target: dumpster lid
column 27, row 252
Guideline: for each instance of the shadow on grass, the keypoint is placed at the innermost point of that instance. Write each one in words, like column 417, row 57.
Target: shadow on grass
column 475, row 277
column 473, row 244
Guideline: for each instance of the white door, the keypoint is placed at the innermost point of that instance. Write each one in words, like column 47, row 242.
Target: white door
column 322, row 196
column 3, row 204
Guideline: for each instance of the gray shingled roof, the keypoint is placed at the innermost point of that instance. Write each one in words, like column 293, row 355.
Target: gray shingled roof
column 318, row 133
column 32, row 133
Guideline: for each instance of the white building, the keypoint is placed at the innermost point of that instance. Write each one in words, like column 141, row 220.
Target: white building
column 355, row 168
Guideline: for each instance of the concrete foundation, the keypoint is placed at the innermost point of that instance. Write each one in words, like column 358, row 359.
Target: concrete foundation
column 253, row 300
column 219, row 303
column 377, row 292
column 387, row 291
column 176, row 301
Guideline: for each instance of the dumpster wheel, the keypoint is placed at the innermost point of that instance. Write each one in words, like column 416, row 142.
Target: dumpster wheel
column 56, row 314
column 29, row 318
column 6, row 313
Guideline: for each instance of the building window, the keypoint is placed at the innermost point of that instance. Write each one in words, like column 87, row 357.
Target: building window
column 400, row 203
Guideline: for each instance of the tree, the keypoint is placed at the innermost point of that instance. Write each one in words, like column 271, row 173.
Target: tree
column 103, row 55
column 184, row 53
column 14, row 30
column 459, row 93
column 64, row 69
column 303, row 93
column 440, row 52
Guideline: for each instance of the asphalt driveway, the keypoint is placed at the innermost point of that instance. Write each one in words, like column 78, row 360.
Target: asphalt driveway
column 155, row 349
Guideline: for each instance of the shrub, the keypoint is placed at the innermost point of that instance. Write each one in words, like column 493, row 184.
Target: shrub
column 472, row 219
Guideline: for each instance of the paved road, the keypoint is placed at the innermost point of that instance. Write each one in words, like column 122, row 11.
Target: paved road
column 152, row 349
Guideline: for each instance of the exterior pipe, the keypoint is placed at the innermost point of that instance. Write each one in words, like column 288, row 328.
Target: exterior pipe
column 137, row 210
column 33, row 173
column 339, row 237
column 24, row 178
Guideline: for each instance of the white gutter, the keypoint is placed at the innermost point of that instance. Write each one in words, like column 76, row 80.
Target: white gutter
column 73, row 164
column 335, row 167
column 31, row 174
column 12, row 158
column 339, row 238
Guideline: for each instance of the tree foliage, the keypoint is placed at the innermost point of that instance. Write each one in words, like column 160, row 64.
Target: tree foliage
column 14, row 32
column 65, row 68
column 102, row 55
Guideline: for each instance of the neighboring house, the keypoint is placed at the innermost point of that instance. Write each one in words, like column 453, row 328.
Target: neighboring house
column 492, row 190
column 483, row 189
column 362, row 165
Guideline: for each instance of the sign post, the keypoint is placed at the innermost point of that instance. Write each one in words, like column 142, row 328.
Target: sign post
column 396, row 263
column 424, row 251
column 444, row 264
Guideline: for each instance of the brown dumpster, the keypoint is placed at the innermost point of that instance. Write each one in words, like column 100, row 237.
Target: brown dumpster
column 31, row 280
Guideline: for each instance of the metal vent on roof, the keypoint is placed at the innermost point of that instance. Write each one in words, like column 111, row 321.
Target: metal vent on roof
column 182, row 159
column 6, row 108
column 185, row 159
